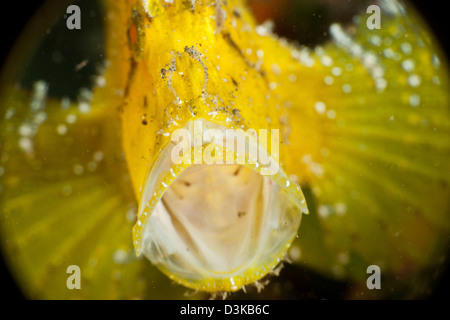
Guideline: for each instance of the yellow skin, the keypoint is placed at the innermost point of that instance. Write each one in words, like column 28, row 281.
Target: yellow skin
column 375, row 161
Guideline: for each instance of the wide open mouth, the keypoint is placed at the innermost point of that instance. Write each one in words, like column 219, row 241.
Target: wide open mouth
column 216, row 227
column 216, row 213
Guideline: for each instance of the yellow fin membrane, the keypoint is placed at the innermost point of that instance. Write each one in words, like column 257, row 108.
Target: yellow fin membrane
column 371, row 139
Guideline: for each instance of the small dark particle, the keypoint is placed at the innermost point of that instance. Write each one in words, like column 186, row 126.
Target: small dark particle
column 237, row 14
column 131, row 73
column 144, row 122
column 236, row 112
column 241, row 214
column 237, row 171
column 187, row 184
column 145, row 102
column 234, row 82
column 163, row 73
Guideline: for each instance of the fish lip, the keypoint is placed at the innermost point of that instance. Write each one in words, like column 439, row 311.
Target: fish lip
column 232, row 281
column 160, row 177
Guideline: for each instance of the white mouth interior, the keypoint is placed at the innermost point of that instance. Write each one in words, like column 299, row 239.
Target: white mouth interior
column 219, row 220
